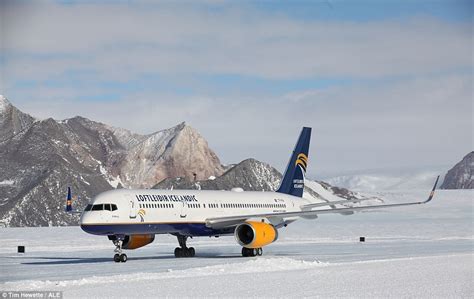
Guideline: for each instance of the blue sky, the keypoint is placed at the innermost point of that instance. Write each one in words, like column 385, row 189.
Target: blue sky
column 384, row 85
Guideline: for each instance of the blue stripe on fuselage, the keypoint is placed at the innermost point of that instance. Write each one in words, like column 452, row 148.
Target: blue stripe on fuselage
column 189, row 229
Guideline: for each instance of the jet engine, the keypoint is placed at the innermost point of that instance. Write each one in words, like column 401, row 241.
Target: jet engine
column 137, row 241
column 253, row 234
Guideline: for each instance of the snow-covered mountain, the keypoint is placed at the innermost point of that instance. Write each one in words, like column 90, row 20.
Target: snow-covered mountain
column 253, row 175
column 461, row 176
column 12, row 120
column 384, row 180
column 40, row 158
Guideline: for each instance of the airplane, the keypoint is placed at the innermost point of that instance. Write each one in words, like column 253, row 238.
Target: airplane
column 132, row 218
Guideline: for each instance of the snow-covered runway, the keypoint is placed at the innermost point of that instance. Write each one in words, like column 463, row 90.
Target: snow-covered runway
column 422, row 251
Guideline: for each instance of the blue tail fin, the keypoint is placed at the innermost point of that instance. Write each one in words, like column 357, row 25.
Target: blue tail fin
column 293, row 180
column 69, row 200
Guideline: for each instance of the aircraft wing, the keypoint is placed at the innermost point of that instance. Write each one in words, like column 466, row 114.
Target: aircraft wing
column 331, row 203
column 220, row 222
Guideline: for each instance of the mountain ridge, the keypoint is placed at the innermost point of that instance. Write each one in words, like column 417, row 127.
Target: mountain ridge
column 461, row 175
column 40, row 158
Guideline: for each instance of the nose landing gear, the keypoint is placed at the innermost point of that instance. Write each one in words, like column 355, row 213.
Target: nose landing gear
column 183, row 250
column 246, row 252
column 119, row 257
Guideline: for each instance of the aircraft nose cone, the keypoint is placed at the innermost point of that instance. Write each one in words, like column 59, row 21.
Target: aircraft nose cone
column 85, row 223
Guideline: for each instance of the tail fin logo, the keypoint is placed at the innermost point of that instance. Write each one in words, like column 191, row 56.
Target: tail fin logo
column 142, row 214
column 302, row 161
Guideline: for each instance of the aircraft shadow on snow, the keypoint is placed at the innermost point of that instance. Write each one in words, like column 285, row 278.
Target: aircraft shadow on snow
column 79, row 260
column 83, row 260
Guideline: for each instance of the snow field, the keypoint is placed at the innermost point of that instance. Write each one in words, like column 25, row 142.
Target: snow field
column 418, row 252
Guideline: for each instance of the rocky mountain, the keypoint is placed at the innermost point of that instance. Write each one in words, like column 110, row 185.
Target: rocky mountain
column 249, row 175
column 12, row 120
column 40, row 158
column 461, row 176
column 253, row 175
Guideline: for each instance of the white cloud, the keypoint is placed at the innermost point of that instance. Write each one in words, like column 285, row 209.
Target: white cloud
column 422, row 118
column 405, row 123
column 125, row 40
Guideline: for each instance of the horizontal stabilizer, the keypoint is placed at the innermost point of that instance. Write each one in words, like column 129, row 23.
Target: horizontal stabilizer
column 69, row 202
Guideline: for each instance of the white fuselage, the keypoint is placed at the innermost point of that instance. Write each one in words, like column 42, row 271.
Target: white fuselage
column 150, row 211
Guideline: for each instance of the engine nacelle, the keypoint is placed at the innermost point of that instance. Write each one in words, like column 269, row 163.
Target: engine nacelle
column 253, row 234
column 137, row 241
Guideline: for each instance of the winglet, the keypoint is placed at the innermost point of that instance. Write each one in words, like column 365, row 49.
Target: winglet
column 432, row 191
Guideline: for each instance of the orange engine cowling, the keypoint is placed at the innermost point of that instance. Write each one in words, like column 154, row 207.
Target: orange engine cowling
column 253, row 234
column 137, row 241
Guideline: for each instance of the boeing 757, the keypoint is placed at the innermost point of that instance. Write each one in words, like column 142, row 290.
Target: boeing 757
column 131, row 218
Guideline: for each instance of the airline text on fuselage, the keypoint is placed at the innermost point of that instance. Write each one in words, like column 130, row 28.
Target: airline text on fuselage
column 168, row 198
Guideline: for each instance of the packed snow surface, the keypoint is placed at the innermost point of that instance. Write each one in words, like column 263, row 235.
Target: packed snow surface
column 420, row 251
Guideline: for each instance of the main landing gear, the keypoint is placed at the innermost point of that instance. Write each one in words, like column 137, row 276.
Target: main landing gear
column 119, row 257
column 251, row 251
column 183, row 251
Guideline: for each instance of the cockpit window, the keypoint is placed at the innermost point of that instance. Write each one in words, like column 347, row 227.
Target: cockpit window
column 98, row 207
column 102, row 207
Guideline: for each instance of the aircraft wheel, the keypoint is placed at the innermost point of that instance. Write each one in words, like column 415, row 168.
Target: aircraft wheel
column 178, row 252
column 259, row 251
column 192, row 252
column 123, row 258
column 246, row 252
column 117, row 258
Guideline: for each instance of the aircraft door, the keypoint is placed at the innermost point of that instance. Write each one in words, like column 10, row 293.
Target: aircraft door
column 133, row 205
column 184, row 209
